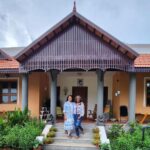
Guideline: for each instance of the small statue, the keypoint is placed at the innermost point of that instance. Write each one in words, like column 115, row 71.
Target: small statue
column 100, row 120
column 50, row 119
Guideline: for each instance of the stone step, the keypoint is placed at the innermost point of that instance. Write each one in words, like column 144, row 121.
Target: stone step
column 86, row 126
column 69, row 146
column 73, row 140
column 62, row 134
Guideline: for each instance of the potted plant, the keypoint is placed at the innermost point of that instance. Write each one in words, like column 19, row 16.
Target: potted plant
column 51, row 134
column 48, row 140
column 37, row 145
column 53, row 129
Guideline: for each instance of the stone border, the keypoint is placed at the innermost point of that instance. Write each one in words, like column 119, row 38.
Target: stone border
column 44, row 133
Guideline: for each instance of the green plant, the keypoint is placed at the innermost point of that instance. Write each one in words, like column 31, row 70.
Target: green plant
column 12, row 137
column 51, row 134
column 105, row 146
column 17, row 117
column 95, row 130
column 96, row 136
column 96, row 141
column 36, row 144
column 115, row 131
column 48, row 140
column 53, row 129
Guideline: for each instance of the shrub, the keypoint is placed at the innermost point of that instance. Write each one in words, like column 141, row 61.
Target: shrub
column 96, row 136
column 115, row 131
column 95, row 130
column 17, row 117
column 48, row 140
column 105, row 146
column 36, row 144
column 123, row 143
column 96, row 141
column 53, row 129
column 51, row 134
column 12, row 137
column 22, row 137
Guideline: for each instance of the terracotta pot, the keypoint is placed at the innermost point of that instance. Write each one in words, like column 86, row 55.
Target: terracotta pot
column 39, row 148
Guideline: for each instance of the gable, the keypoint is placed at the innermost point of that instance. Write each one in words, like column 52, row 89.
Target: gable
column 76, row 47
column 117, row 51
column 4, row 56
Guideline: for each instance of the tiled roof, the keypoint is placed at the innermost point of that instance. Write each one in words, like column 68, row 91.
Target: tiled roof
column 143, row 60
column 9, row 64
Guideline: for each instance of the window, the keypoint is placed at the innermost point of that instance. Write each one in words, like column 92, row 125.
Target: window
column 147, row 92
column 8, row 91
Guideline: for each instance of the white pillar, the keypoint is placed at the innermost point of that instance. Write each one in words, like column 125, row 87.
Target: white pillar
column 132, row 97
column 53, row 92
column 100, row 92
column 24, row 91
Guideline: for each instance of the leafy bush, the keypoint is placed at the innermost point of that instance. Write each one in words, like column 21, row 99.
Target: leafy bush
column 131, row 140
column 115, row 131
column 105, row 146
column 19, row 132
column 95, row 130
column 48, row 140
column 17, row 117
column 96, row 141
column 96, row 136
column 53, row 129
column 36, row 144
column 51, row 134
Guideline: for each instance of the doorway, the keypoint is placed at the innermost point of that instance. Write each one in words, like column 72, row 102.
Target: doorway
column 83, row 92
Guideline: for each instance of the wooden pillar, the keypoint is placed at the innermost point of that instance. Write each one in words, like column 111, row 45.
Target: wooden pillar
column 100, row 92
column 132, row 97
column 53, row 92
column 24, row 91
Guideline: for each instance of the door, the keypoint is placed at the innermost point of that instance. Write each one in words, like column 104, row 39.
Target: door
column 105, row 96
column 83, row 92
column 58, row 96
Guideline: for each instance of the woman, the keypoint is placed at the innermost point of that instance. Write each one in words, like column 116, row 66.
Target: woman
column 68, row 116
column 78, row 115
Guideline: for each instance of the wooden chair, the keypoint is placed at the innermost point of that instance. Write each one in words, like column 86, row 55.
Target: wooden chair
column 93, row 114
column 123, row 112
column 59, row 112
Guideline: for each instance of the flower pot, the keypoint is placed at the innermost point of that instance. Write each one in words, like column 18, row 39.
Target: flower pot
column 39, row 148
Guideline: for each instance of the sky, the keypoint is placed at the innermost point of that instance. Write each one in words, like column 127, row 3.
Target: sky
column 23, row 21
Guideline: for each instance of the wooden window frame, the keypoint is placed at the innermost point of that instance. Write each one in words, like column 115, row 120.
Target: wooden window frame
column 9, row 94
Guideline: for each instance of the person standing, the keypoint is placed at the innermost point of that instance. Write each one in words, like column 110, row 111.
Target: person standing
column 78, row 115
column 68, row 115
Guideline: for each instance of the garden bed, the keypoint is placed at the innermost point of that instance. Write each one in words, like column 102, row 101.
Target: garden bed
column 19, row 131
column 129, row 137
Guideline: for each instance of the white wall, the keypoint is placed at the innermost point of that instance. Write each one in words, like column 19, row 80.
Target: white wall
column 69, row 79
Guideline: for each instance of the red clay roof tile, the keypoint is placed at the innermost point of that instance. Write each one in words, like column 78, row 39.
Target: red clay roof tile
column 143, row 60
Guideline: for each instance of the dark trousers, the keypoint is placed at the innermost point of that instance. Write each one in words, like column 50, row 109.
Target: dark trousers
column 77, row 124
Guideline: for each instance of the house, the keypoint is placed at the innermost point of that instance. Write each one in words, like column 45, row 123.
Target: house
column 76, row 57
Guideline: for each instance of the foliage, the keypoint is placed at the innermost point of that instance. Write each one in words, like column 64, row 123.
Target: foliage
column 129, row 140
column 48, row 140
column 17, row 117
column 95, row 130
column 51, row 134
column 22, row 136
column 36, row 144
column 96, row 141
column 96, row 136
column 53, row 129
column 115, row 131
column 105, row 146
column 19, row 132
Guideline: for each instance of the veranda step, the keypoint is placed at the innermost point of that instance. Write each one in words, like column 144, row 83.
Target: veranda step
column 62, row 134
column 69, row 146
column 72, row 140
